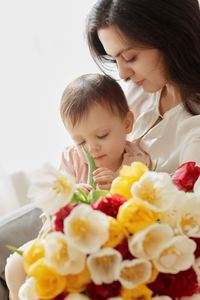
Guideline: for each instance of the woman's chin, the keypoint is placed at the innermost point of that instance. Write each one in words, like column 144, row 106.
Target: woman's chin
column 151, row 89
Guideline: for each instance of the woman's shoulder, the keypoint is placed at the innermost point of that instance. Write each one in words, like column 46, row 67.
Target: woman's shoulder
column 187, row 124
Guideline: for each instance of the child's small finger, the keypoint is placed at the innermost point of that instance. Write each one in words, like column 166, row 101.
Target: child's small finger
column 100, row 179
column 97, row 171
column 100, row 170
column 104, row 186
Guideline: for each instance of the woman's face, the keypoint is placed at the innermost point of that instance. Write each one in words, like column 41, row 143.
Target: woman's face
column 144, row 66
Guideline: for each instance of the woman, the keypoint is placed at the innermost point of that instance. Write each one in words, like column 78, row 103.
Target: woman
column 155, row 45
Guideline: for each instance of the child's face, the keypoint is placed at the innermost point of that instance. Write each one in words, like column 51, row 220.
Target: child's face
column 103, row 134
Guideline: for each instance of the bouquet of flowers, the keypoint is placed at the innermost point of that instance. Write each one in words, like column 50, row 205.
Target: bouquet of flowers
column 140, row 240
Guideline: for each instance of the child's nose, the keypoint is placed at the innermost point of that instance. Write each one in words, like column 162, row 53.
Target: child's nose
column 93, row 148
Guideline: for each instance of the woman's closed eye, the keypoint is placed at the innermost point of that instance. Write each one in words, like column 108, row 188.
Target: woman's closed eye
column 130, row 60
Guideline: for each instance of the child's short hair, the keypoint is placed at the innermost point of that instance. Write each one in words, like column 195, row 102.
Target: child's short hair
column 90, row 89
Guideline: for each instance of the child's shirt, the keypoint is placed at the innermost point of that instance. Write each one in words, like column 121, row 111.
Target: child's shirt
column 74, row 161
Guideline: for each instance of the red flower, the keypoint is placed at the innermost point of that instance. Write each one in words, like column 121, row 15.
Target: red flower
column 103, row 291
column 109, row 204
column 197, row 251
column 186, row 175
column 177, row 285
column 122, row 247
column 58, row 218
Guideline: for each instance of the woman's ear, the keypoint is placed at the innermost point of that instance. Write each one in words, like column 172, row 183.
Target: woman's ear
column 129, row 119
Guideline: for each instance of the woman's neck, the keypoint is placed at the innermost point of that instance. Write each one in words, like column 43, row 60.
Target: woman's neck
column 169, row 98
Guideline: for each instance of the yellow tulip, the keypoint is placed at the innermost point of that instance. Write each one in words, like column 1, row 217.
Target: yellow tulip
column 77, row 283
column 48, row 283
column 135, row 216
column 140, row 292
column 32, row 254
column 128, row 175
column 116, row 233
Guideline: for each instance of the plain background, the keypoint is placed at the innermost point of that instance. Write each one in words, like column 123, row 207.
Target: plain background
column 42, row 49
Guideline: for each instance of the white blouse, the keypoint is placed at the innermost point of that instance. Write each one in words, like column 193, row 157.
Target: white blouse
column 174, row 140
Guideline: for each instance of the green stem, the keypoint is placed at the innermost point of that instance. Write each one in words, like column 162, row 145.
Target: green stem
column 92, row 168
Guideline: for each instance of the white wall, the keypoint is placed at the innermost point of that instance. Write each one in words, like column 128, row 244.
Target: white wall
column 42, row 49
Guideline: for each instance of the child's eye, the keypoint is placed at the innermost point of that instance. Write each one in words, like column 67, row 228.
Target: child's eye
column 102, row 136
column 81, row 144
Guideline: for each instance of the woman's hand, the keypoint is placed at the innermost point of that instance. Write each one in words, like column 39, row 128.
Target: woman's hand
column 103, row 177
column 85, row 187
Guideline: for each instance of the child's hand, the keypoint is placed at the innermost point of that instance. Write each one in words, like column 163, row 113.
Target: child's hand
column 103, row 177
column 85, row 187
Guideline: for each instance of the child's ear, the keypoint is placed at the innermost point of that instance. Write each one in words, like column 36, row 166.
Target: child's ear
column 129, row 119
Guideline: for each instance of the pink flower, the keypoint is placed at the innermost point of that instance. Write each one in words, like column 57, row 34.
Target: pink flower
column 109, row 204
column 103, row 291
column 58, row 218
column 186, row 175
column 177, row 285
column 122, row 247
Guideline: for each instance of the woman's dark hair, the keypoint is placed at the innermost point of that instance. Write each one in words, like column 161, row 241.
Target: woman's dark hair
column 172, row 26
column 89, row 89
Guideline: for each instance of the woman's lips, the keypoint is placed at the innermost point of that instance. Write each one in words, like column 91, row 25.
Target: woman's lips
column 139, row 83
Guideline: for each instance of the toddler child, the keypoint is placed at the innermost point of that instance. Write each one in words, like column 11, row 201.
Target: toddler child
column 95, row 112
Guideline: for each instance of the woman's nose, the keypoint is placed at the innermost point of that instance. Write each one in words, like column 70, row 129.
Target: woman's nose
column 124, row 70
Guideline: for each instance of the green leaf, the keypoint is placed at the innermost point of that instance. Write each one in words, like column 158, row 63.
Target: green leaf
column 82, row 194
column 13, row 249
column 77, row 197
column 91, row 169
column 94, row 195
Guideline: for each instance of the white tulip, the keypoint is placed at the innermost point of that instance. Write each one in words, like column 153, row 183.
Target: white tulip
column 104, row 265
column 64, row 258
column 27, row 290
column 172, row 215
column 156, row 190
column 176, row 256
column 148, row 242
column 86, row 229
column 51, row 189
column 134, row 272
column 188, row 222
